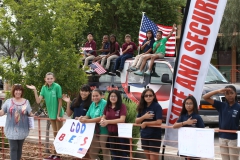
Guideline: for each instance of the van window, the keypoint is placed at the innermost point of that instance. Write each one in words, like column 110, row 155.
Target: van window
column 158, row 71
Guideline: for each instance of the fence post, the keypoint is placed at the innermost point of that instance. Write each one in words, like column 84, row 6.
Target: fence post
column 131, row 154
column 3, row 141
column 39, row 139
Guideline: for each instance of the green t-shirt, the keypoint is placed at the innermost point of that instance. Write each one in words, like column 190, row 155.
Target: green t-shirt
column 162, row 47
column 51, row 95
column 97, row 111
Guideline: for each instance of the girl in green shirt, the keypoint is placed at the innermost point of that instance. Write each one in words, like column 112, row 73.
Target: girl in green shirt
column 51, row 92
column 94, row 115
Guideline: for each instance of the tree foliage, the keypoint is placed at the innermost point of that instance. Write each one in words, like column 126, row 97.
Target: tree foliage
column 122, row 17
column 45, row 32
column 230, row 25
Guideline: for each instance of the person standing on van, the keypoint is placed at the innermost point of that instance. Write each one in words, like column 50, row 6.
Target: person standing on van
column 128, row 50
column 159, row 50
column 89, row 54
column 150, row 113
column 115, row 112
column 189, row 117
column 94, row 115
column 229, row 115
column 113, row 54
column 147, row 47
column 51, row 92
column 16, row 129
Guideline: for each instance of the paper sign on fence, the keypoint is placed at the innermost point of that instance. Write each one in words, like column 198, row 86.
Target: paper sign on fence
column 125, row 130
column 3, row 121
column 196, row 142
column 31, row 122
column 74, row 138
column 238, row 138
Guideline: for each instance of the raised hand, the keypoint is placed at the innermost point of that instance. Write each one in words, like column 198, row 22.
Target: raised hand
column 174, row 28
column 32, row 87
column 66, row 98
column 224, row 90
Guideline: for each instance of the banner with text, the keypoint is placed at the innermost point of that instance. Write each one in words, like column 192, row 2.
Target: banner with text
column 74, row 138
column 200, row 30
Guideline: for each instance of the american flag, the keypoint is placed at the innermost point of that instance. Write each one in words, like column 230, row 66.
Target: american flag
column 147, row 24
column 98, row 68
column 82, row 151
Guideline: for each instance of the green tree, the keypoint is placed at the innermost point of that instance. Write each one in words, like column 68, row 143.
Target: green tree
column 230, row 25
column 122, row 17
column 45, row 32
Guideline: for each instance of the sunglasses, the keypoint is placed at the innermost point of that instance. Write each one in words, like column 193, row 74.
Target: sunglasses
column 17, row 84
column 148, row 95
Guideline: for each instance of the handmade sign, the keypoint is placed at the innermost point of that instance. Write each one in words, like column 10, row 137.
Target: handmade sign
column 125, row 130
column 74, row 138
column 196, row 142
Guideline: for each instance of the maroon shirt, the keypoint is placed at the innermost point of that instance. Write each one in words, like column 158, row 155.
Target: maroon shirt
column 93, row 45
column 111, row 114
column 115, row 49
column 131, row 50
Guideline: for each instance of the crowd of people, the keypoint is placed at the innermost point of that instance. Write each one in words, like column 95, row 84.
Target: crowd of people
column 151, row 50
column 90, row 107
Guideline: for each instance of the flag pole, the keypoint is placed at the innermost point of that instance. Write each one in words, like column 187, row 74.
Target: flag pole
column 139, row 48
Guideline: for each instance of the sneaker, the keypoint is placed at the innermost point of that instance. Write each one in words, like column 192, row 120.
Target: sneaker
column 147, row 72
column 56, row 158
column 112, row 73
column 140, row 73
column 133, row 68
column 119, row 70
column 49, row 157
column 89, row 71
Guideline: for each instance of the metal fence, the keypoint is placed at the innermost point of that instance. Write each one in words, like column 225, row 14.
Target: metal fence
column 39, row 144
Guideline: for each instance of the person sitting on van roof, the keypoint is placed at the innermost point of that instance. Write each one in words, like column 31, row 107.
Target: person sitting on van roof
column 147, row 47
column 113, row 54
column 128, row 50
column 89, row 54
column 159, row 49
column 105, row 50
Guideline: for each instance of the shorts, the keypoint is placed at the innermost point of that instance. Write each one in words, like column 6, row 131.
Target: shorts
column 152, row 143
column 160, row 55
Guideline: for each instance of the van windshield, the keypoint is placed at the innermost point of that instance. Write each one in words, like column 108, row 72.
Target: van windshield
column 214, row 76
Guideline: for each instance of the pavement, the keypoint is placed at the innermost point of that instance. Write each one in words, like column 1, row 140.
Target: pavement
column 170, row 152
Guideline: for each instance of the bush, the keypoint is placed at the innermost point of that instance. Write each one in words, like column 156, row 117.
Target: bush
column 131, row 116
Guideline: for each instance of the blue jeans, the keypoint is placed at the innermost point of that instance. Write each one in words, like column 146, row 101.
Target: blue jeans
column 121, row 60
column 16, row 149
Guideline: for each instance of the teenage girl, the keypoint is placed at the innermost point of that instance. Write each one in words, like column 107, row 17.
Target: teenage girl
column 189, row 116
column 80, row 105
column 51, row 92
column 115, row 112
column 229, row 115
column 150, row 113
column 94, row 115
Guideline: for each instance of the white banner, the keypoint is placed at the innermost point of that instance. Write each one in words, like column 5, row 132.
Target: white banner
column 198, row 41
column 74, row 138
column 202, row 146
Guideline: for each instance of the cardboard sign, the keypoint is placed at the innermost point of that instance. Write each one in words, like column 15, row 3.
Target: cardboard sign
column 74, row 138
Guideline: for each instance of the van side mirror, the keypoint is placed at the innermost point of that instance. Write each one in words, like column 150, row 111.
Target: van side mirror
column 165, row 78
